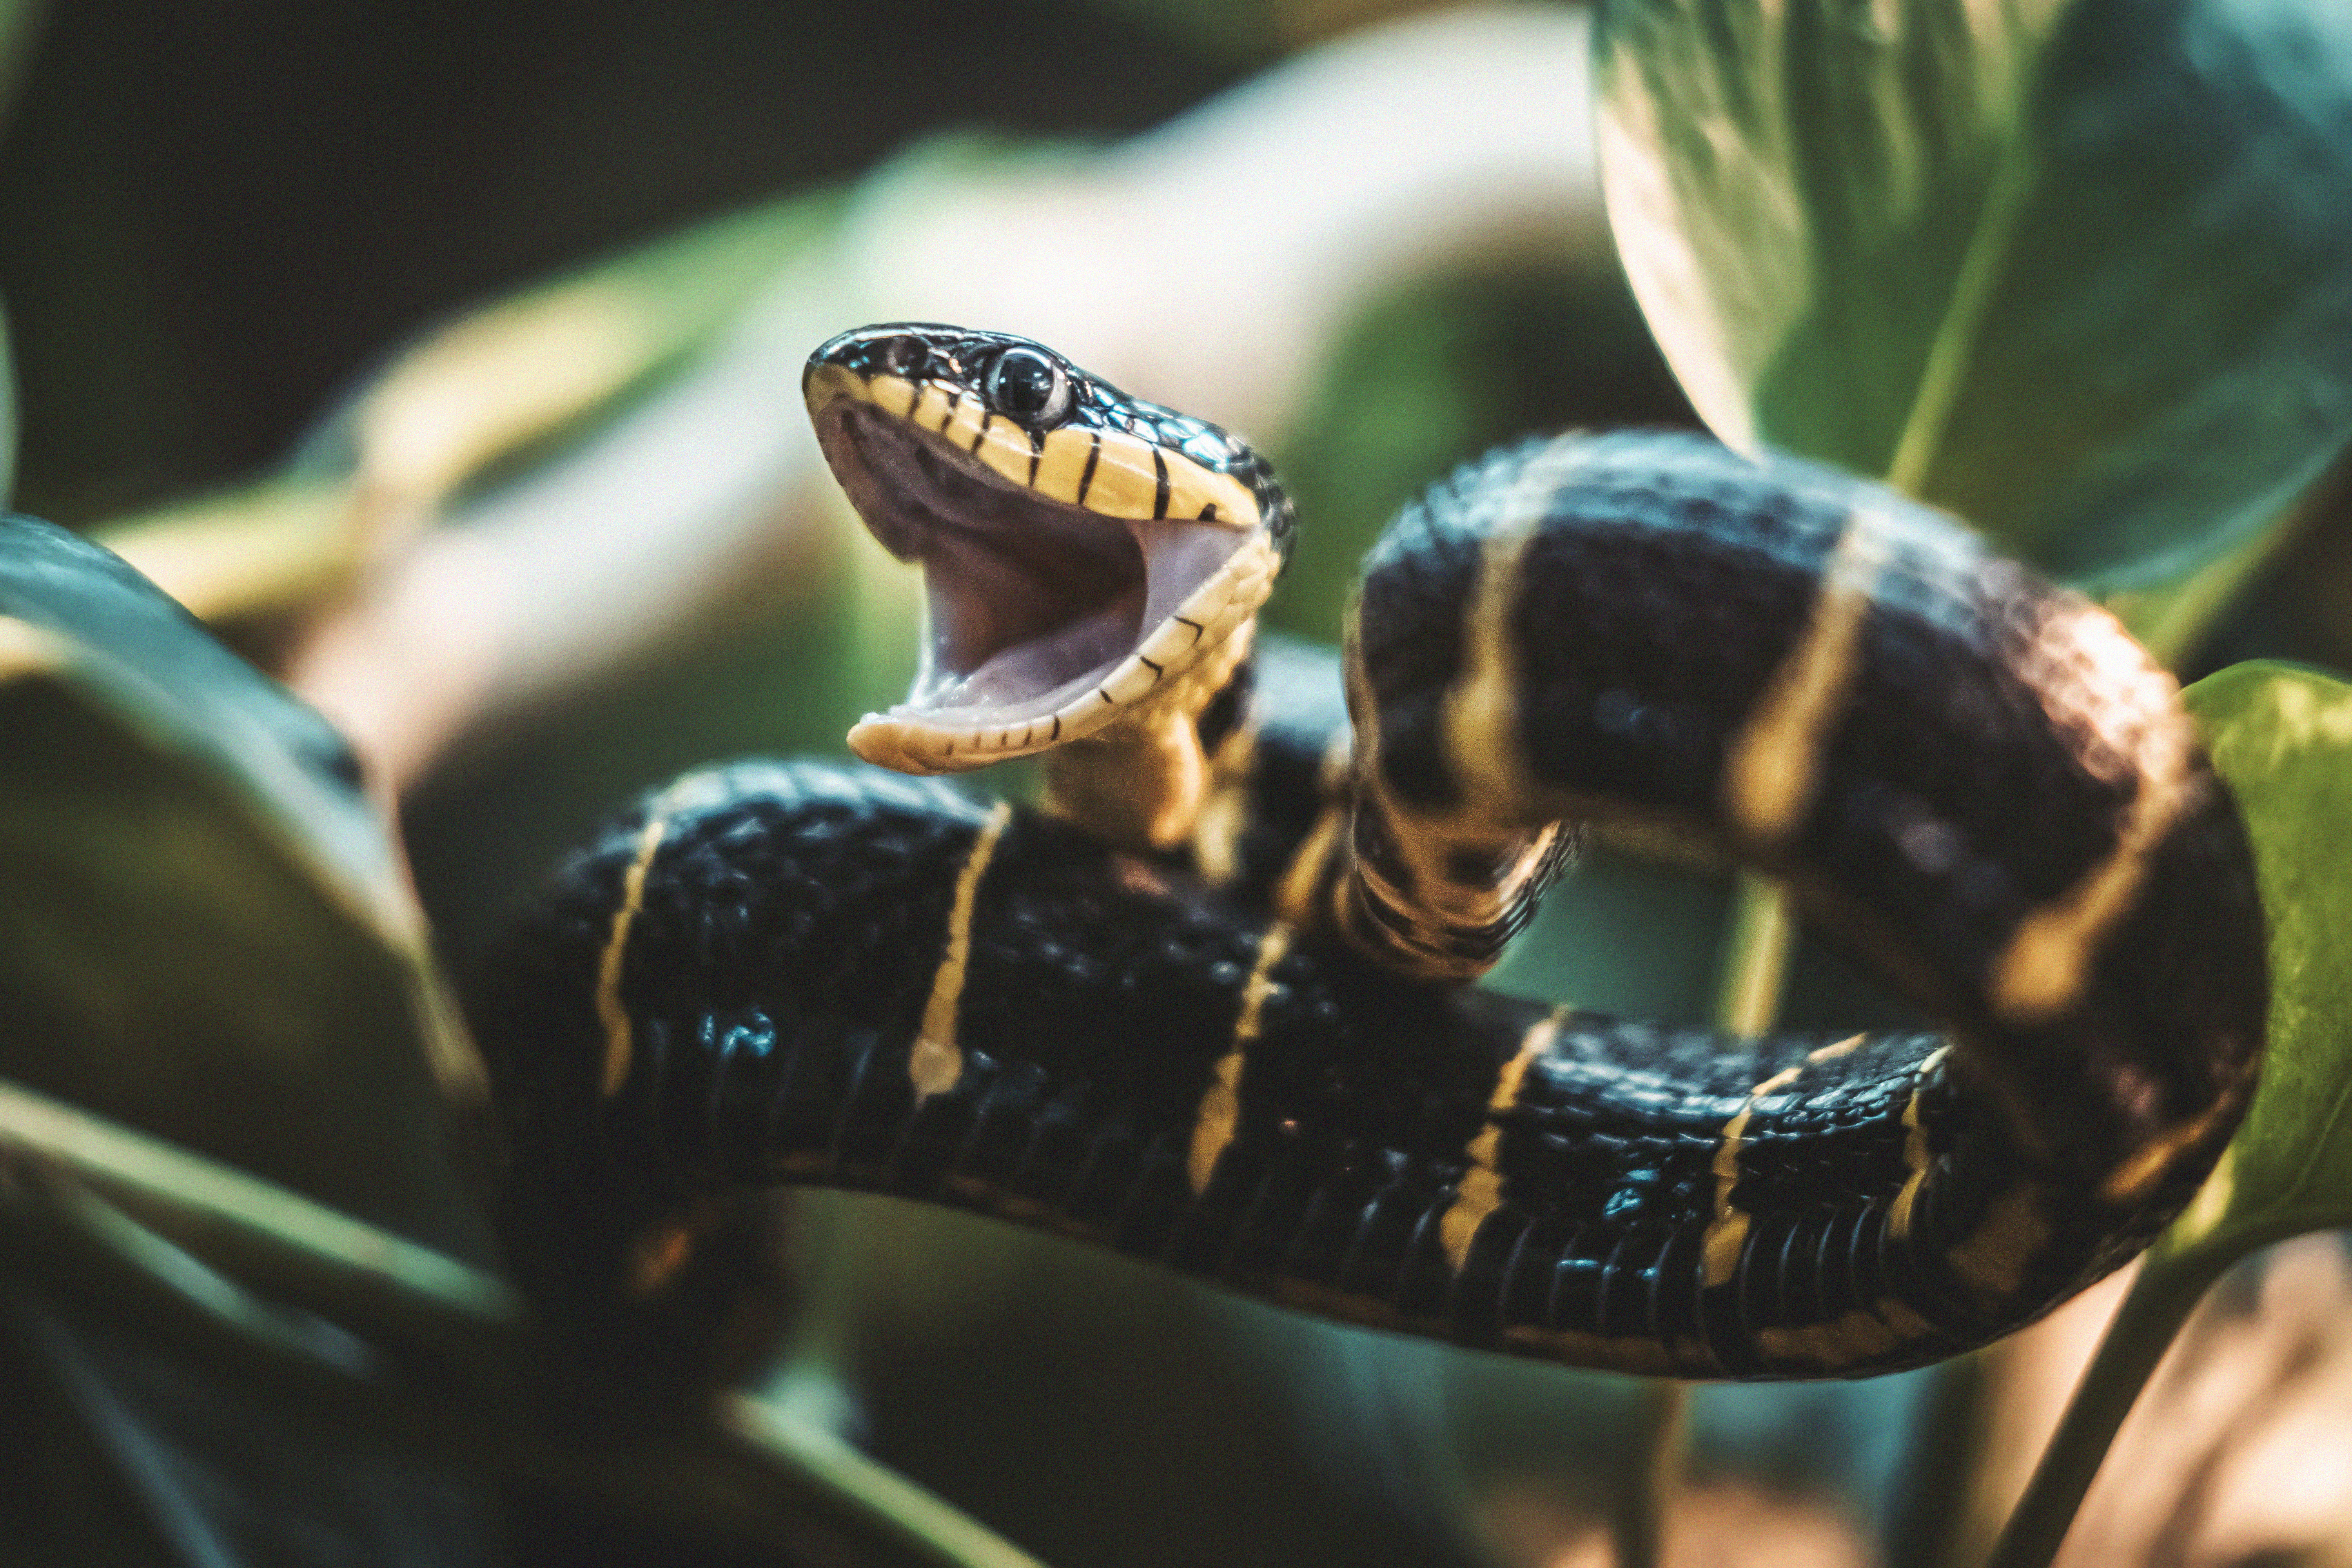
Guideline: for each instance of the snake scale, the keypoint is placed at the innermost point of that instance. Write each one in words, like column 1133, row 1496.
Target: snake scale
column 1207, row 1005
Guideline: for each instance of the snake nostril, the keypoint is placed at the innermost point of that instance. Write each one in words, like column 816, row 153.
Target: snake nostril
column 904, row 356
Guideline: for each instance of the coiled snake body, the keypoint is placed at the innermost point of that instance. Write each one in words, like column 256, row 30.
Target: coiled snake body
column 1205, row 1007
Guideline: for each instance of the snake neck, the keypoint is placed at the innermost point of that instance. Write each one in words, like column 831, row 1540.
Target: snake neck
column 1140, row 783
column 1141, row 788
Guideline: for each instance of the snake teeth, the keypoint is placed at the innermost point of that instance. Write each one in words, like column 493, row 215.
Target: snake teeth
column 949, row 724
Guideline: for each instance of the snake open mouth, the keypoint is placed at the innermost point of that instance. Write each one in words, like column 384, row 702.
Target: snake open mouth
column 1089, row 559
column 1034, row 604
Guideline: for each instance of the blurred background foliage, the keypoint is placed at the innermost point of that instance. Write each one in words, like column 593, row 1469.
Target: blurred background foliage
column 444, row 359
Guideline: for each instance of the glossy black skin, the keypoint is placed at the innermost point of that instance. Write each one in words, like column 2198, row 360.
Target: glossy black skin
column 791, row 931
column 1663, row 589
column 775, row 1008
column 1289, row 695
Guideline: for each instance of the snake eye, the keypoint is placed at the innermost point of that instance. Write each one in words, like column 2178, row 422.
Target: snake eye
column 1023, row 384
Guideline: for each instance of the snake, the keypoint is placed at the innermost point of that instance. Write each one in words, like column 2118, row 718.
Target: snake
column 1207, row 1002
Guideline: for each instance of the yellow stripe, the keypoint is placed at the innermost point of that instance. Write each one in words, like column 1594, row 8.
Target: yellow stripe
column 2047, row 962
column 1224, row 811
column 1915, row 1151
column 609, row 1010
column 1480, row 1191
column 1006, row 449
column 1220, row 1106
column 830, row 382
column 1772, row 765
column 936, row 1062
column 1294, row 895
column 1479, row 736
column 2140, row 1171
column 963, row 430
column 1063, row 463
column 1831, row 1053
column 1727, row 1232
column 1126, row 482
column 1859, row 1334
column 655, row 1258
column 1481, row 714
column 1993, row 1258
column 1192, row 488
column 1482, row 709
column 1581, row 1347
column 931, row 409
column 892, row 395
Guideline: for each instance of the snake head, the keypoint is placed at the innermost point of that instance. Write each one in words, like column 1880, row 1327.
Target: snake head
column 1088, row 558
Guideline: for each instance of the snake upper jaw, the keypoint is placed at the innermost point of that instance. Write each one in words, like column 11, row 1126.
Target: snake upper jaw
column 1046, row 621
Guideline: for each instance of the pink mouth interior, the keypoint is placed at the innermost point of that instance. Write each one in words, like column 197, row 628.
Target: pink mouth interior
column 1031, row 601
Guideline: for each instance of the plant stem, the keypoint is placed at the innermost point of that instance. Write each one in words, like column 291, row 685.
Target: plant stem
column 1943, row 1464
column 2160, row 1302
column 1660, row 1425
column 1754, row 957
column 1756, row 954
column 254, row 1228
column 927, row 1524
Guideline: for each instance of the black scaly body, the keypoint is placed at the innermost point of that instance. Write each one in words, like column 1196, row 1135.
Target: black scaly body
column 1936, row 750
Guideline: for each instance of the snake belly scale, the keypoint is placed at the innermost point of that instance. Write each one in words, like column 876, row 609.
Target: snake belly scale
column 1207, row 1005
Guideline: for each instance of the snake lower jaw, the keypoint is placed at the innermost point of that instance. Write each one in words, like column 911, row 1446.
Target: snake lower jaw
column 1204, row 591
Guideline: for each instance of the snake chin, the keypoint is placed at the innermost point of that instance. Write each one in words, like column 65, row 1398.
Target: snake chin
column 1032, row 603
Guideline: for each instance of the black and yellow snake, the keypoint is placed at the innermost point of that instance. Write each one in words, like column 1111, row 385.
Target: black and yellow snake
column 1206, row 1006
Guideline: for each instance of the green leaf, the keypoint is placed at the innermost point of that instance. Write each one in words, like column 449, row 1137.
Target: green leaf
column 157, row 1254
column 203, row 931
column 2072, row 269
column 2282, row 737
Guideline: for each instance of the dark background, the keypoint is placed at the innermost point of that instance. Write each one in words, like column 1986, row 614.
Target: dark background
column 213, row 217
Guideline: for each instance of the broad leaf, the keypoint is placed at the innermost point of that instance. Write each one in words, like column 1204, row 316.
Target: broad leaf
column 2073, row 269
column 2282, row 737
column 202, row 930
